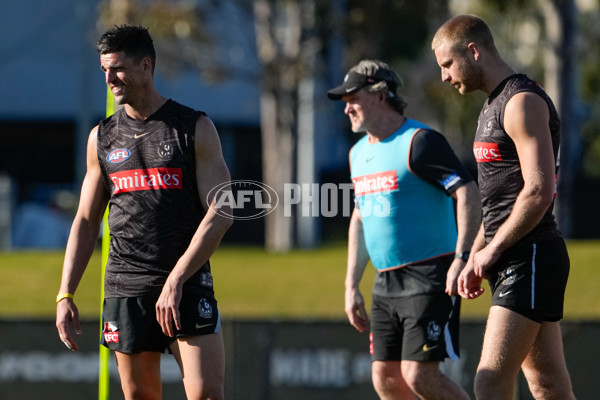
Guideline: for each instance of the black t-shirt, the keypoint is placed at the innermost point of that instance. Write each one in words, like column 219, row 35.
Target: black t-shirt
column 432, row 159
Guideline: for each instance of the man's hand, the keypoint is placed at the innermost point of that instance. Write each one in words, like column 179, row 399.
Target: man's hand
column 484, row 259
column 167, row 309
column 452, row 276
column 469, row 284
column 67, row 323
column 355, row 310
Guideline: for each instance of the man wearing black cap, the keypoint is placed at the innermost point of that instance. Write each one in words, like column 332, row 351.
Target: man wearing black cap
column 405, row 176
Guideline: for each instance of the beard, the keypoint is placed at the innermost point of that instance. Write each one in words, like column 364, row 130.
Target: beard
column 472, row 77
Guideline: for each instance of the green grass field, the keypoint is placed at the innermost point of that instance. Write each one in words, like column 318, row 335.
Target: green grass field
column 251, row 283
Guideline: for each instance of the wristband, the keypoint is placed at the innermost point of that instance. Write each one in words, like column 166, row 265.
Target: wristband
column 62, row 296
column 463, row 256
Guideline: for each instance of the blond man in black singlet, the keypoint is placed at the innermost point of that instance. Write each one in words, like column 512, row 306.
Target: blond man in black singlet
column 518, row 249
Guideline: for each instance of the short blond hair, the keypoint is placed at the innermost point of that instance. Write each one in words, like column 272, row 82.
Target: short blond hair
column 461, row 30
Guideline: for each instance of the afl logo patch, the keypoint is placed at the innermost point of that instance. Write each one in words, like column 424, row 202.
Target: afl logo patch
column 118, row 155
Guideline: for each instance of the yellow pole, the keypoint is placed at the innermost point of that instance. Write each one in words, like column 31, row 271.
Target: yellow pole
column 104, row 368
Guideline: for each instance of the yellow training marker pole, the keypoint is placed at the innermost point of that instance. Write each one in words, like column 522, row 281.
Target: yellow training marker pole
column 104, row 368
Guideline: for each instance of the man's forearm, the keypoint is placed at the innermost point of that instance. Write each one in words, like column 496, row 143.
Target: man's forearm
column 204, row 243
column 468, row 216
column 80, row 246
column 358, row 256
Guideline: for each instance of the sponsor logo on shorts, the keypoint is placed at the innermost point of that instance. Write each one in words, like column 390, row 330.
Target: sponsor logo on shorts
column 204, row 308
column 199, row 326
column 110, row 332
column 427, row 347
column 502, row 294
column 118, row 156
column 486, row 152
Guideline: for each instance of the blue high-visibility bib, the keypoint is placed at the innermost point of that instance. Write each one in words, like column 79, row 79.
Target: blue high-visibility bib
column 405, row 219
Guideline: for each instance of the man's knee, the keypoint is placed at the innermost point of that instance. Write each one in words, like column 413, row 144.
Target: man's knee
column 204, row 386
column 546, row 387
column 490, row 381
column 419, row 376
column 207, row 395
column 140, row 392
column 384, row 376
column 413, row 376
column 387, row 377
column 206, row 389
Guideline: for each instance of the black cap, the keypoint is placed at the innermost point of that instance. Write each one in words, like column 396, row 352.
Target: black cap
column 353, row 81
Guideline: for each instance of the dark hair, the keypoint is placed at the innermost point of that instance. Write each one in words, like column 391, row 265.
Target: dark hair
column 133, row 40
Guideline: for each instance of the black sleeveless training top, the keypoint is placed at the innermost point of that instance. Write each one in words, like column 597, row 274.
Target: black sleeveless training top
column 148, row 169
column 499, row 172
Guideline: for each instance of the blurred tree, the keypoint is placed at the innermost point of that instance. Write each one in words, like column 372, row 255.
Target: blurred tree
column 179, row 30
column 389, row 30
column 562, row 81
column 588, row 46
column 284, row 44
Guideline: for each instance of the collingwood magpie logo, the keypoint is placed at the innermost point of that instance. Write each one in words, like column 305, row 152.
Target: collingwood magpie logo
column 433, row 331
column 165, row 150
column 204, row 308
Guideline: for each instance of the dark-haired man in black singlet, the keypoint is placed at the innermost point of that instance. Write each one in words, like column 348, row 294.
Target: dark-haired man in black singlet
column 154, row 162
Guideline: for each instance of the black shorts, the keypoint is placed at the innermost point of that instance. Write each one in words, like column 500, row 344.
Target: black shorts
column 531, row 279
column 417, row 328
column 130, row 325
